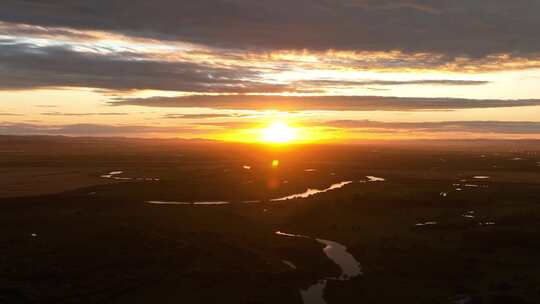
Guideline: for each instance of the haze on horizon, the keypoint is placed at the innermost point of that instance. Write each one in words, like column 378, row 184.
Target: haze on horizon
column 336, row 71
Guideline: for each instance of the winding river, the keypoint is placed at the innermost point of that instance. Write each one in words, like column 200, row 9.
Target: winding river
column 305, row 194
column 336, row 252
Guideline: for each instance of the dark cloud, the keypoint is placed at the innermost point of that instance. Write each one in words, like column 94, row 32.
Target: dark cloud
column 336, row 103
column 495, row 127
column 26, row 66
column 452, row 27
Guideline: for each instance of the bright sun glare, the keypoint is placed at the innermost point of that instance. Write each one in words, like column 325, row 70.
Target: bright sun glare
column 278, row 132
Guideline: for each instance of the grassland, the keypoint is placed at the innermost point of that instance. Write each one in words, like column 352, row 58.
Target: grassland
column 71, row 236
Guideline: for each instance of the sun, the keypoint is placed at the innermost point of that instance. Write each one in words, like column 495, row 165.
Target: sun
column 278, row 132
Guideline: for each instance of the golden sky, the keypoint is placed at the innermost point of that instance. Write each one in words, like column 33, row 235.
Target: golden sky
column 232, row 76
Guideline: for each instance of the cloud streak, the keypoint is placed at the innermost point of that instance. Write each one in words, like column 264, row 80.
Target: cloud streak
column 82, row 114
column 205, row 116
column 484, row 127
column 94, row 130
column 344, row 83
column 9, row 114
column 328, row 103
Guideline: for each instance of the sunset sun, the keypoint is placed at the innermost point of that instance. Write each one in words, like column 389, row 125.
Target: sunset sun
column 278, row 132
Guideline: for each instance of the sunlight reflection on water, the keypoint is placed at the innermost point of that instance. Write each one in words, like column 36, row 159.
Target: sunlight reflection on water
column 310, row 192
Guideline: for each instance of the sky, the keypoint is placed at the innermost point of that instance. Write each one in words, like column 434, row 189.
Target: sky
column 332, row 70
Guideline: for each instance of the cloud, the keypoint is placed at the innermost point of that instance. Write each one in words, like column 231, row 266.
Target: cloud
column 494, row 127
column 329, row 103
column 451, row 27
column 279, row 60
column 15, row 29
column 93, row 130
column 82, row 114
column 204, row 116
column 46, row 106
column 30, row 66
column 343, row 83
column 229, row 125
column 27, row 66
column 10, row 114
